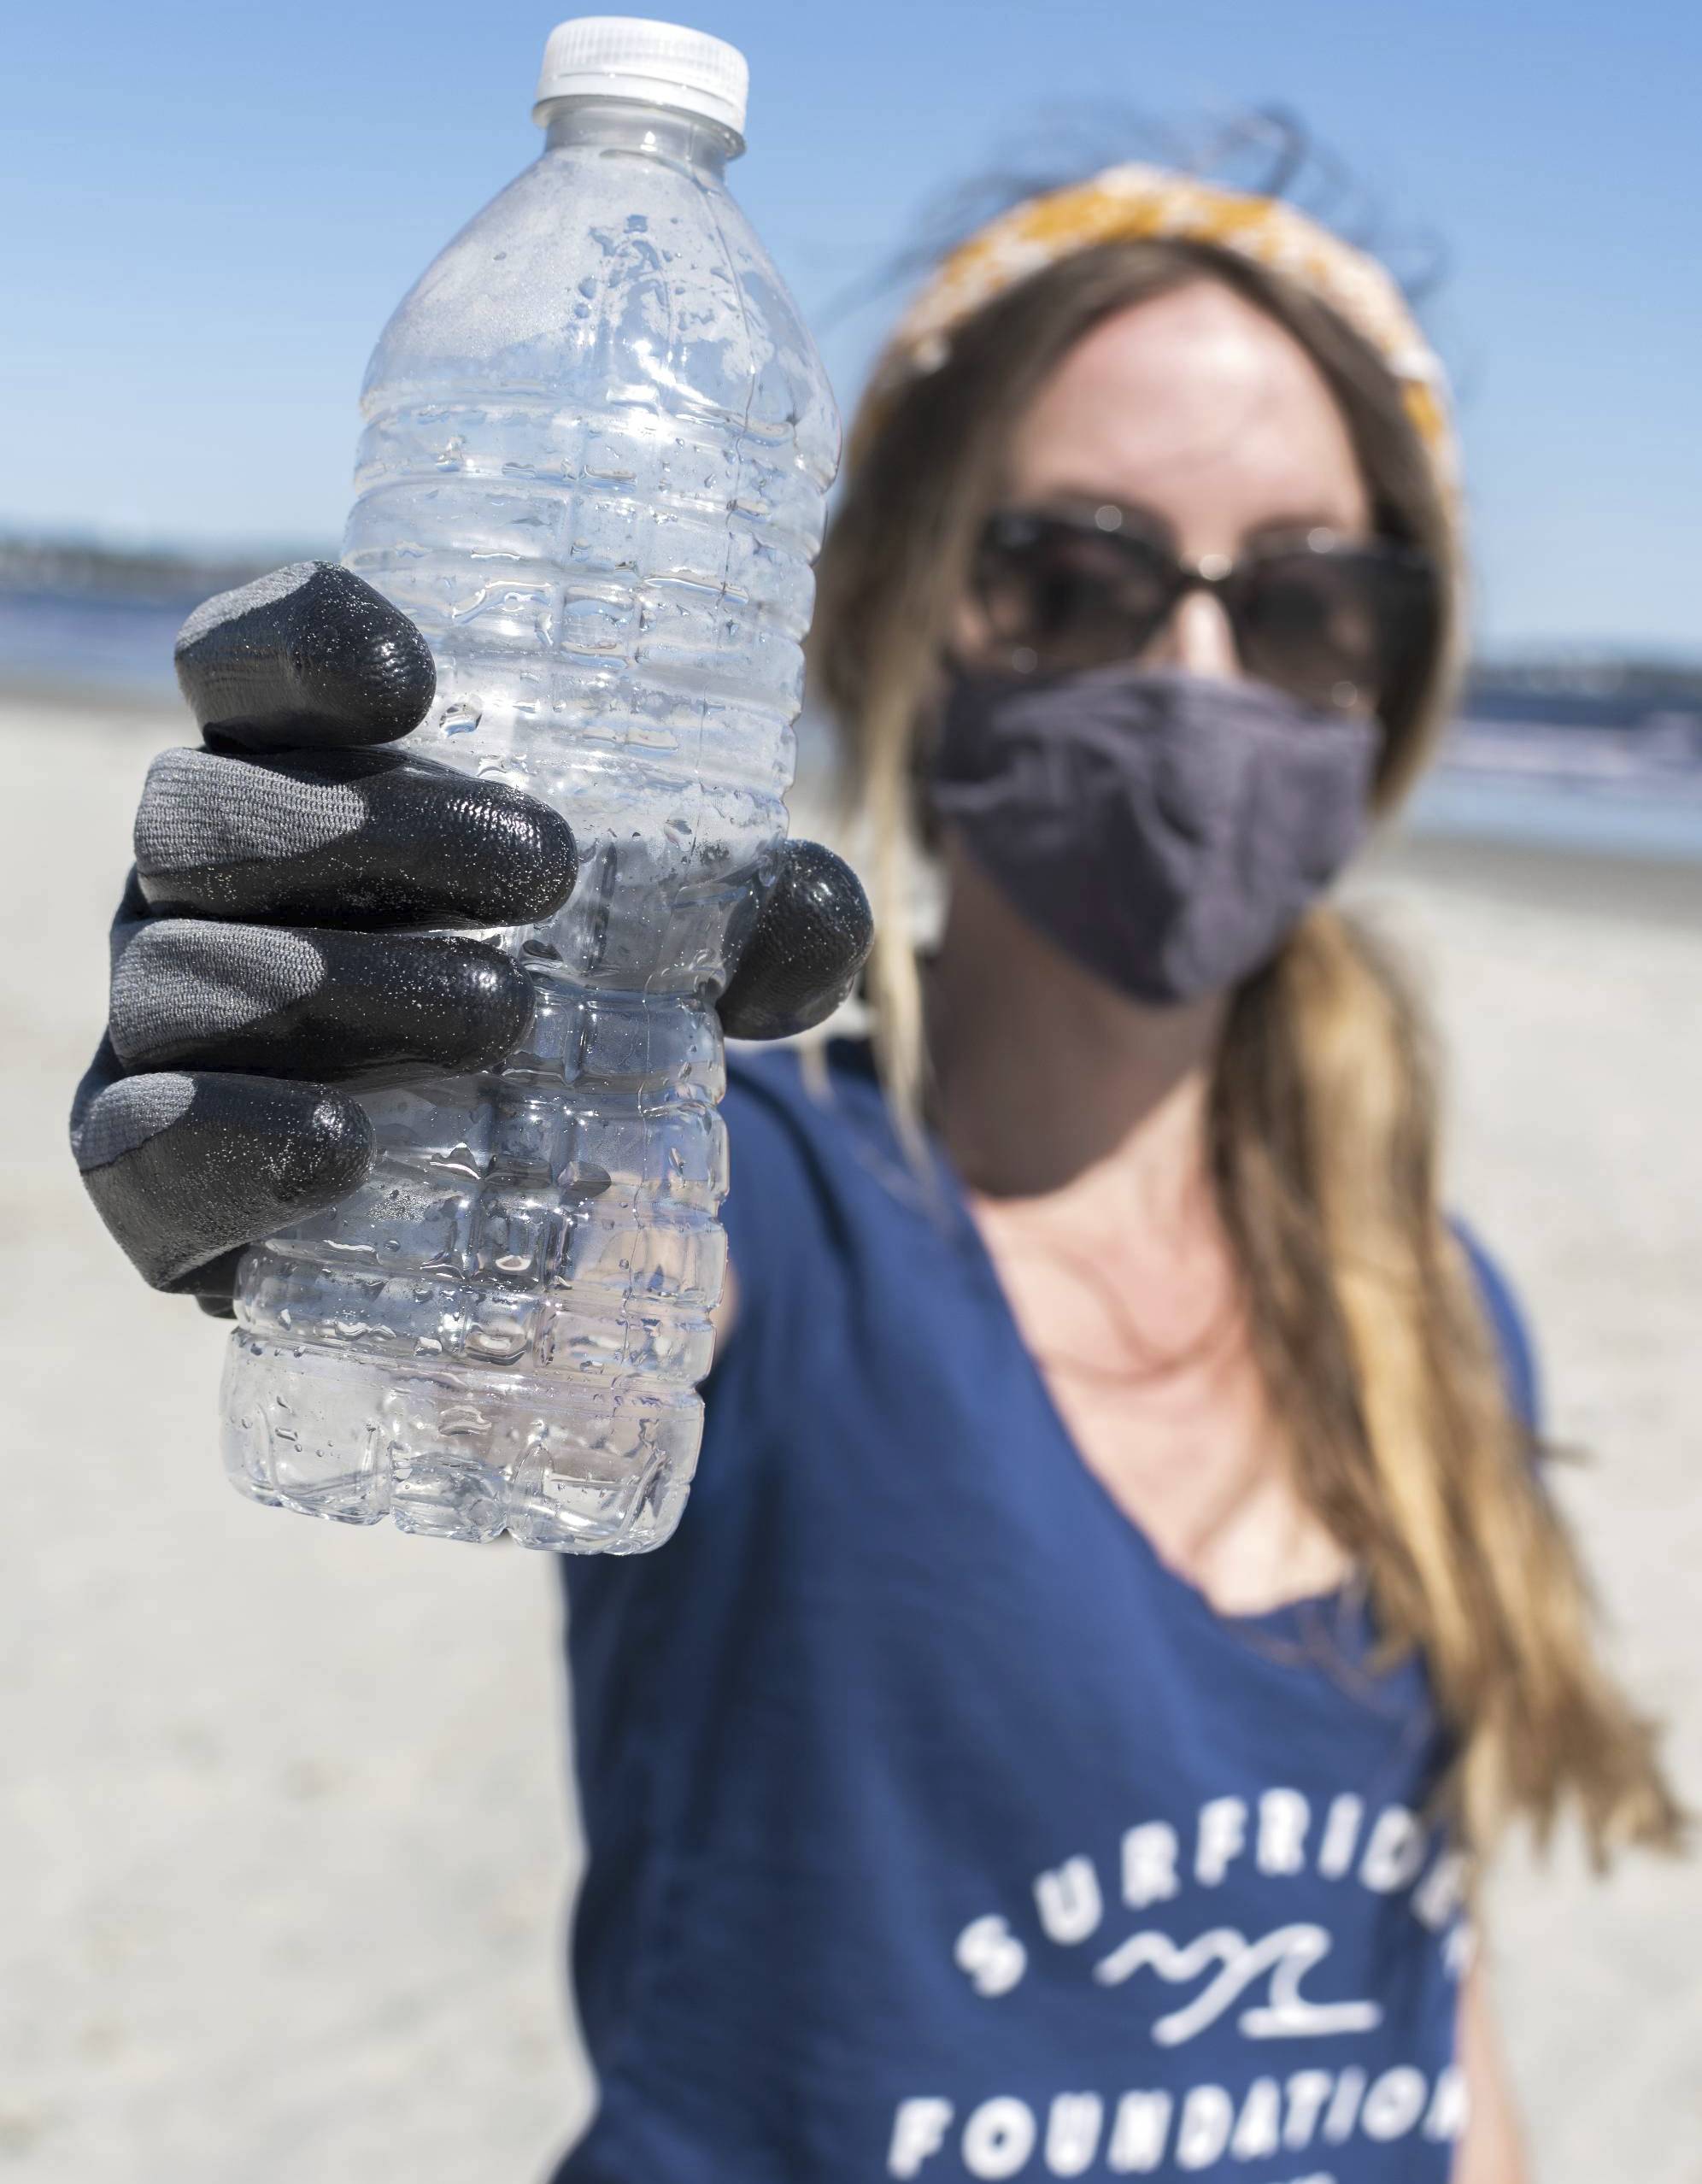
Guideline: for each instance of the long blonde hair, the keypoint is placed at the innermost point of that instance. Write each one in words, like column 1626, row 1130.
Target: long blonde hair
column 1363, row 1311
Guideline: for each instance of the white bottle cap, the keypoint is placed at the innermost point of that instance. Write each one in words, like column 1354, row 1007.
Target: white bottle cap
column 662, row 64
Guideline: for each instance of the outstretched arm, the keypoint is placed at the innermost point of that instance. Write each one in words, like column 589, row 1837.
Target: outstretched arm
column 1492, row 2151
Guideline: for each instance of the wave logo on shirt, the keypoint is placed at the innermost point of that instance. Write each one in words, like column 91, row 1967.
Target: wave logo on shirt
column 1272, row 1835
column 1288, row 1954
column 1129, row 1913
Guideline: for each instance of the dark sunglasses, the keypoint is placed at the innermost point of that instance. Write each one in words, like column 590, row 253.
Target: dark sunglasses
column 1334, row 622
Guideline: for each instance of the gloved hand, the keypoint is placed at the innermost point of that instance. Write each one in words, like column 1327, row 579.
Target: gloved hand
column 269, row 948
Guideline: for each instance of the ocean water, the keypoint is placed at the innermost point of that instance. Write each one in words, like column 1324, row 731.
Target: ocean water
column 1572, row 770
column 120, row 646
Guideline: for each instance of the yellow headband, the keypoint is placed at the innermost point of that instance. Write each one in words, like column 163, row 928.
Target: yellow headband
column 1137, row 202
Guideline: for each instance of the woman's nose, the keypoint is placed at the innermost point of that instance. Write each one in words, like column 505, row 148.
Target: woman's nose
column 1198, row 638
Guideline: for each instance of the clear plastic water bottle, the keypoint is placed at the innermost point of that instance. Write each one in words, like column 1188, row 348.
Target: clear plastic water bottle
column 597, row 448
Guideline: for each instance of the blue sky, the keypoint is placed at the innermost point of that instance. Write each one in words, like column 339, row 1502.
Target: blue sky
column 206, row 210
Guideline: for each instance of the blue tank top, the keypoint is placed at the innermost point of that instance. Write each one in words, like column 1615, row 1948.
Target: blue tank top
column 935, row 1828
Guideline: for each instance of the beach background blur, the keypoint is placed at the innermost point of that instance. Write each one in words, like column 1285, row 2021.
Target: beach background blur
column 287, row 1845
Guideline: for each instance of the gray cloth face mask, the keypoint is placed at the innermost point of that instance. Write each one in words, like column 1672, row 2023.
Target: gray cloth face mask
column 1166, row 830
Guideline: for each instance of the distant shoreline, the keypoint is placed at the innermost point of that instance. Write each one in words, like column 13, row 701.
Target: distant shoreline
column 146, row 576
column 1583, row 753
column 1529, row 683
column 1453, row 831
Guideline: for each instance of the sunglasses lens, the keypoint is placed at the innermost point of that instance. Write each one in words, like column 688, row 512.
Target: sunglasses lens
column 1333, row 629
column 1060, row 598
column 1335, row 625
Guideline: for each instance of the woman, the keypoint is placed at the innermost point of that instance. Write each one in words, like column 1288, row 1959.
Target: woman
column 1116, row 1600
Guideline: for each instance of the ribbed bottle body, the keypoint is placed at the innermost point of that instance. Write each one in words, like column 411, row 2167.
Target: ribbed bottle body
column 596, row 451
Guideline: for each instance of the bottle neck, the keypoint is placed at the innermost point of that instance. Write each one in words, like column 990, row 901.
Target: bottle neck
column 626, row 124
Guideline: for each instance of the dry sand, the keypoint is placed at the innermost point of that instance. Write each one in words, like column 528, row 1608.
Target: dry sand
column 284, row 1841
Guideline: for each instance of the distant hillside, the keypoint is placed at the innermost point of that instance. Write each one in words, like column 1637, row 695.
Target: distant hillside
column 81, row 569
column 1596, row 690
column 1564, row 690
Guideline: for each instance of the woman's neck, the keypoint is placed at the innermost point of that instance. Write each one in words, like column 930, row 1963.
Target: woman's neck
column 1044, row 1075
column 1079, row 1121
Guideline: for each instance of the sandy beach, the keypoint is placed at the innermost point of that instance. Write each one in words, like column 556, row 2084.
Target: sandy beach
column 285, row 1839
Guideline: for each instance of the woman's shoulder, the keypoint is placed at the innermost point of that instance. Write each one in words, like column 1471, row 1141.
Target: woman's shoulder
column 791, row 1109
column 825, row 1084
column 813, row 1159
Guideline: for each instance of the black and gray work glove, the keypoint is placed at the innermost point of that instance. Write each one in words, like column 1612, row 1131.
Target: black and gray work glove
column 284, row 932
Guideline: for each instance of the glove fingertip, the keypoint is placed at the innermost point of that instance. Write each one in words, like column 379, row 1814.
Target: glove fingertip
column 310, row 657
column 363, row 659
column 329, row 1155
column 757, row 1017
column 557, row 867
column 497, row 1004
column 518, row 860
column 804, row 954
column 186, row 1169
